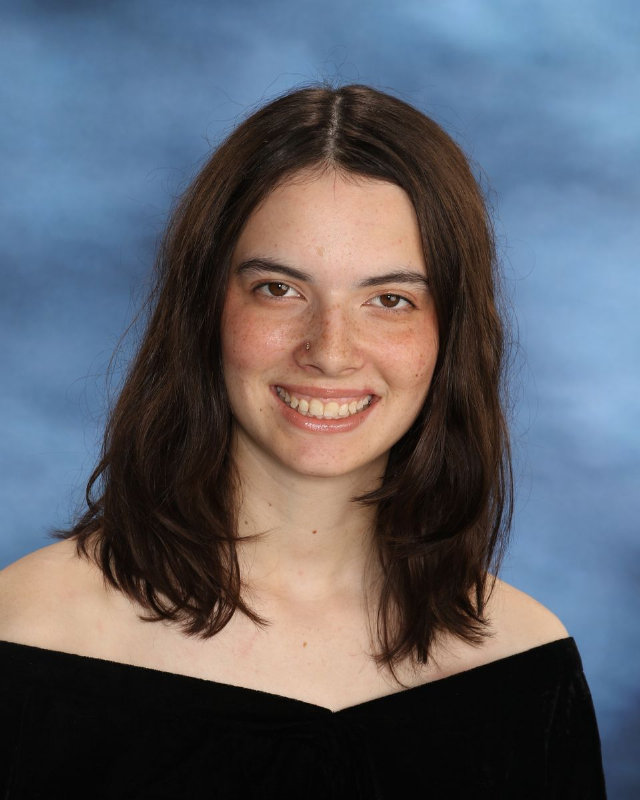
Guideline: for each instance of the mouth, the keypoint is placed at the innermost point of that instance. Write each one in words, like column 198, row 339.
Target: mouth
column 308, row 406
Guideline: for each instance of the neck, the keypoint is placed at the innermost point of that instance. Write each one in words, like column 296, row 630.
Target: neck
column 313, row 541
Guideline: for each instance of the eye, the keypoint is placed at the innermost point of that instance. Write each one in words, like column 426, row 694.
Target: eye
column 391, row 301
column 276, row 289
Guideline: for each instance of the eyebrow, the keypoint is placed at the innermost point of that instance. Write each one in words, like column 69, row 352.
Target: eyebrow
column 407, row 276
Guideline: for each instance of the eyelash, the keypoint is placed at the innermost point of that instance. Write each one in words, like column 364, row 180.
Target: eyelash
column 402, row 299
column 263, row 288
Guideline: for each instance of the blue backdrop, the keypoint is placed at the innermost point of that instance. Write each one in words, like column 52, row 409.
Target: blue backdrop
column 108, row 109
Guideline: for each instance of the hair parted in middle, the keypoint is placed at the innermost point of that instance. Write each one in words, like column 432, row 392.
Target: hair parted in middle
column 161, row 516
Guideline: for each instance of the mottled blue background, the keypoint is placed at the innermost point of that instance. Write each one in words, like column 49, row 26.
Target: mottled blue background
column 109, row 107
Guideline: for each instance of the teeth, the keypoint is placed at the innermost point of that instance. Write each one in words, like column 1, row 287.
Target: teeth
column 316, row 409
column 329, row 410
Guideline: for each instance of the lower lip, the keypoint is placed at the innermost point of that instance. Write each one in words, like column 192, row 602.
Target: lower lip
column 315, row 425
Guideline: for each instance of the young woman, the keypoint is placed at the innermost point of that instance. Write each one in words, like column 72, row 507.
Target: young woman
column 282, row 585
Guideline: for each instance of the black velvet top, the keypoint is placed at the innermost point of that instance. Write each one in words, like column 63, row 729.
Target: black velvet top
column 75, row 727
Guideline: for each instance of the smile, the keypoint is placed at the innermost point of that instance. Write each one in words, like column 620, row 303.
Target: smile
column 321, row 410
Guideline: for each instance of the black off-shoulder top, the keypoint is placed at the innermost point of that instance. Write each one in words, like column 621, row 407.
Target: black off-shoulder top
column 522, row 727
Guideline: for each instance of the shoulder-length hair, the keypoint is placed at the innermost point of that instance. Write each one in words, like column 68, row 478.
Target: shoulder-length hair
column 161, row 522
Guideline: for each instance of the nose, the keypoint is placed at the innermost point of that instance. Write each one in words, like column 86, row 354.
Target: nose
column 331, row 343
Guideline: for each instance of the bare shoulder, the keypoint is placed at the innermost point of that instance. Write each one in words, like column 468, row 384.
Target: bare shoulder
column 519, row 622
column 515, row 623
column 45, row 596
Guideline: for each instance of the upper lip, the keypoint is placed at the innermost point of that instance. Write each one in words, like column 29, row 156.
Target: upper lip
column 325, row 392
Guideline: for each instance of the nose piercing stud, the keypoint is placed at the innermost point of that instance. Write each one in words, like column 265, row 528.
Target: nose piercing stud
column 307, row 346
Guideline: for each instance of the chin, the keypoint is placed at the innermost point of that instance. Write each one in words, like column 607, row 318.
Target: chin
column 327, row 468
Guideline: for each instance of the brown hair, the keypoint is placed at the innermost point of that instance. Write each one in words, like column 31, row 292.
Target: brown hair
column 161, row 516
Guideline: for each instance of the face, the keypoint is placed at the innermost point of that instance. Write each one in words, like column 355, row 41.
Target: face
column 329, row 329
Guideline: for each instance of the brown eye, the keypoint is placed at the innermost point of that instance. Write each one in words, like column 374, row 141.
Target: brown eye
column 278, row 289
column 394, row 302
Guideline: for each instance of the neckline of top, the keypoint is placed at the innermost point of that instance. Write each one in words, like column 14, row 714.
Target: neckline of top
column 566, row 642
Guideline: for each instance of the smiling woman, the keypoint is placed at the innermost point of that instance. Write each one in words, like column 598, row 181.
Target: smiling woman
column 346, row 346
column 303, row 497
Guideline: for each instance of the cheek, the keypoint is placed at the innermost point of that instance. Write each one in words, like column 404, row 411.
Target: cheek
column 411, row 358
column 250, row 339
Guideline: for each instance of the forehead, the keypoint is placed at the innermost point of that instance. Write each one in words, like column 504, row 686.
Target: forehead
column 329, row 213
